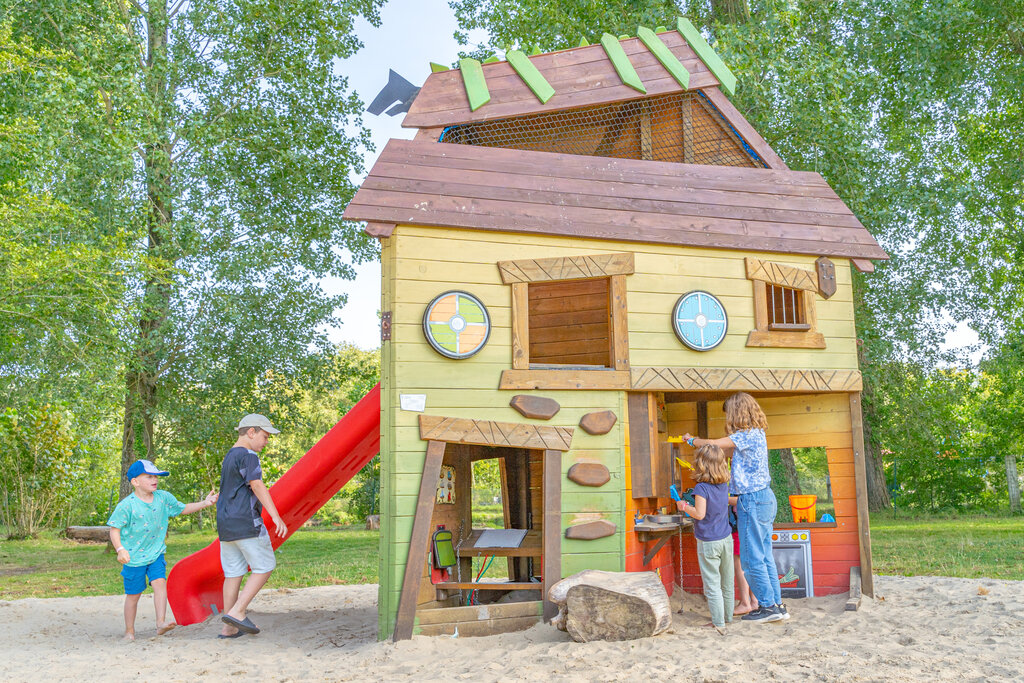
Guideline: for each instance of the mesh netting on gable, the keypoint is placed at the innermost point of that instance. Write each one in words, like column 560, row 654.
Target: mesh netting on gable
column 683, row 127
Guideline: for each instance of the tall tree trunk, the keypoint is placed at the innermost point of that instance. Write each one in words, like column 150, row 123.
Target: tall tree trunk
column 792, row 480
column 144, row 368
column 1013, row 482
column 731, row 11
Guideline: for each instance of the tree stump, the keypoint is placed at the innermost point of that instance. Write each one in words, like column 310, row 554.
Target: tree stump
column 598, row 605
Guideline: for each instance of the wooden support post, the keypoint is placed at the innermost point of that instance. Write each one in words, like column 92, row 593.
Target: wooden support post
column 521, row 326
column 552, row 548
column 418, row 542
column 646, row 151
column 861, row 485
column 687, row 112
column 702, row 419
column 853, row 602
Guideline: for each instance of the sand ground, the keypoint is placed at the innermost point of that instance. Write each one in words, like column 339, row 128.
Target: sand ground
column 925, row 629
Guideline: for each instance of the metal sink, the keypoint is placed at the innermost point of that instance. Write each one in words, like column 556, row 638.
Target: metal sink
column 664, row 519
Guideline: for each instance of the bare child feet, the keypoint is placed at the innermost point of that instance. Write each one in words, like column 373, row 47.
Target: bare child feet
column 128, row 636
column 166, row 628
column 741, row 609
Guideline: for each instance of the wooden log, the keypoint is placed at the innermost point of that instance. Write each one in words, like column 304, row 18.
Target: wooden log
column 93, row 534
column 597, row 423
column 588, row 474
column 599, row 605
column 536, row 407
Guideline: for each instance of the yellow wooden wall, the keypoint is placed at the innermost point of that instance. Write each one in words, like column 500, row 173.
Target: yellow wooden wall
column 420, row 263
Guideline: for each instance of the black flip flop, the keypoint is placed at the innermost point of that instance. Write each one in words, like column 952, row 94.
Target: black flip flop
column 241, row 624
column 233, row 635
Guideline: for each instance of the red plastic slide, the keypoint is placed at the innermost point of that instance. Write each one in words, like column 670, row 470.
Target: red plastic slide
column 195, row 585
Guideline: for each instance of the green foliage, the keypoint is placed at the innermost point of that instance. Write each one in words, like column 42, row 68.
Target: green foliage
column 486, row 481
column 39, row 470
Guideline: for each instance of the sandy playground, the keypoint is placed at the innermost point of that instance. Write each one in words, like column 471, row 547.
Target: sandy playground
column 925, row 629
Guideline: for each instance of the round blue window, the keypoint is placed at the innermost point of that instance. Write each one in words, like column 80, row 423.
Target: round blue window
column 699, row 320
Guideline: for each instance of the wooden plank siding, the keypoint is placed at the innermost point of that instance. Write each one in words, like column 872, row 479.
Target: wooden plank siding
column 420, row 262
column 428, row 261
column 795, row 422
column 580, row 76
column 483, row 188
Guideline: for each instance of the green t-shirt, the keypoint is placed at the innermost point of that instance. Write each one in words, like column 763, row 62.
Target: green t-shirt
column 144, row 525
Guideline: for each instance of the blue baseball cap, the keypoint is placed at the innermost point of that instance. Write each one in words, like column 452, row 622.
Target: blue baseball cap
column 144, row 467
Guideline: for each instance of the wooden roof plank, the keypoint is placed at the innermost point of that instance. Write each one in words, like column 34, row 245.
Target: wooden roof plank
column 587, row 166
column 620, row 61
column 664, row 55
column 511, row 216
column 707, row 54
column 661, row 191
column 437, row 184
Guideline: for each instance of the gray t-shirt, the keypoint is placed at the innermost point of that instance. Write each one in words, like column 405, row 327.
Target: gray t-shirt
column 238, row 510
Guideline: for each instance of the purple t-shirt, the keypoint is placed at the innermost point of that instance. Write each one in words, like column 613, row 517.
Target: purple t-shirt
column 715, row 525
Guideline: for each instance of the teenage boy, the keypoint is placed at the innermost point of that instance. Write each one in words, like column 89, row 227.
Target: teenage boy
column 138, row 530
column 244, row 540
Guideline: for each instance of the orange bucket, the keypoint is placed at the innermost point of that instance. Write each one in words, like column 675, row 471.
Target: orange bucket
column 803, row 508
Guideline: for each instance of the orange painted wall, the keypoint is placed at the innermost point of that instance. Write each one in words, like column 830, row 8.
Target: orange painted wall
column 794, row 422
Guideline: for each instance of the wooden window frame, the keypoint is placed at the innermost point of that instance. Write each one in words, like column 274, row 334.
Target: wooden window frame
column 519, row 274
column 804, row 284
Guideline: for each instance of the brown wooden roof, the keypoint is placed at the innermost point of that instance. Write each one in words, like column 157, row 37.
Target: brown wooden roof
column 446, row 185
column 582, row 76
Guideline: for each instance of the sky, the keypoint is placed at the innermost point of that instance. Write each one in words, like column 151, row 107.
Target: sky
column 412, row 34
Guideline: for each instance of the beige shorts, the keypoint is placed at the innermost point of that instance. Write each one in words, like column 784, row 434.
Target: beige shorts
column 255, row 554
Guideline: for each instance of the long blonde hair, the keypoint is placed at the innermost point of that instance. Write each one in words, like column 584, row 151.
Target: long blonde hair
column 742, row 412
column 710, row 465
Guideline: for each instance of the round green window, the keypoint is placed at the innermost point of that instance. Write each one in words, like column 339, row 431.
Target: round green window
column 456, row 324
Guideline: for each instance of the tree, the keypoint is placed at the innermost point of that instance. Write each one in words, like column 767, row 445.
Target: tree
column 242, row 144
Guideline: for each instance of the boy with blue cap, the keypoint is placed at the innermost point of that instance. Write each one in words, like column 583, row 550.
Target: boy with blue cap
column 138, row 530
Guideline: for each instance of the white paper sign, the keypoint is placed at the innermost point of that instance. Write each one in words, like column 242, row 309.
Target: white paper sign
column 415, row 402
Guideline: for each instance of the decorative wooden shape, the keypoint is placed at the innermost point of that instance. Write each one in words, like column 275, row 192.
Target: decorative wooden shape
column 706, row 53
column 490, row 433
column 530, row 75
column 664, row 55
column 590, row 531
column 783, row 275
column 619, row 60
column 536, row 407
column 744, row 379
column 475, row 83
column 597, row 423
column 826, row 277
column 589, row 474
column 567, row 268
column 456, row 324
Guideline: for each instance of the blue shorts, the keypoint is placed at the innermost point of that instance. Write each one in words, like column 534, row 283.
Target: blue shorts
column 135, row 577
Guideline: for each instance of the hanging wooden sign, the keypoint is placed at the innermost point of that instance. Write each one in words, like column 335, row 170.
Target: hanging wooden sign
column 826, row 276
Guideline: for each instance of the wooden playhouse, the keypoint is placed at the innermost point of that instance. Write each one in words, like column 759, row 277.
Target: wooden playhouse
column 583, row 253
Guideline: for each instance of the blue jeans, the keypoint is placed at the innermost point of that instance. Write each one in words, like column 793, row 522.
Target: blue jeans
column 756, row 514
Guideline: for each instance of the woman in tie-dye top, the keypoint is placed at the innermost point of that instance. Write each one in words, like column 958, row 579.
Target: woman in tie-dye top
column 745, row 423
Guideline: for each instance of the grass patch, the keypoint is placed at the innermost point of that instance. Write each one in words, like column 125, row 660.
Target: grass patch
column 52, row 567
column 968, row 546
